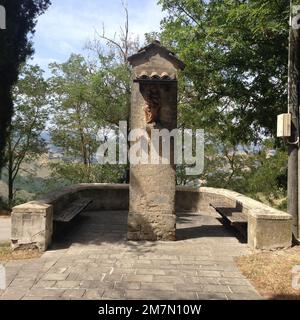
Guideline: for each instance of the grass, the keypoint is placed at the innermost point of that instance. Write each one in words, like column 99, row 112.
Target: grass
column 7, row 254
column 271, row 273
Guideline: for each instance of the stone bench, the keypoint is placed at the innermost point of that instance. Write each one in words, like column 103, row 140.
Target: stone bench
column 267, row 228
column 72, row 210
column 32, row 223
column 234, row 217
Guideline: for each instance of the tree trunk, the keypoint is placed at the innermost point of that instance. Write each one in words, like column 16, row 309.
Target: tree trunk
column 6, row 107
column 10, row 174
column 294, row 156
column 83, row 149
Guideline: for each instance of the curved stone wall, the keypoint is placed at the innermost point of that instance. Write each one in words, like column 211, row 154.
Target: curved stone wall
column 32, row 222
column 105, row 196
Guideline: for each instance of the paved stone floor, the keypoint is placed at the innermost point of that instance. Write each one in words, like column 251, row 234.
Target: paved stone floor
column 92, row 260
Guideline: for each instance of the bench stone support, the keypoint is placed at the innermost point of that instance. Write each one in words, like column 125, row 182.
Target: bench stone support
column 32, row 226
column 268, row 228
column 269, row 232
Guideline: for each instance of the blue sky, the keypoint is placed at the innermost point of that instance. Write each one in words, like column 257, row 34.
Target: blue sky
column 69, row 24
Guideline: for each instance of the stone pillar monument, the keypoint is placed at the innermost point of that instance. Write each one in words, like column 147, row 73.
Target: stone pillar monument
column 153, row 106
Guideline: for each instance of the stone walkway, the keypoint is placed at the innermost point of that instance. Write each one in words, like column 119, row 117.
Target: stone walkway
column 92, row 260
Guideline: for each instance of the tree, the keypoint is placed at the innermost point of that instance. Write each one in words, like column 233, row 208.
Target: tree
column 236, row 55
column 73, row 128
column 24, row 142
column 234, row 85
column 16, row 47
column 91, row 95
column 112, row 81
column 76, row 120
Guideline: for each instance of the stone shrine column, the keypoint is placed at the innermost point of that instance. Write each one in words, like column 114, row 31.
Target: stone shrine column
column 153, row 106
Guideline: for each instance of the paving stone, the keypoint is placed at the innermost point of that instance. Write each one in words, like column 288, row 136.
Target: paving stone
column 243, row 296
column 112, row 277
column 168, row 279
column 93, row 294
column 73, row 277
column 203, row 280
column 157, row 286
column 128, row 285
column 126, row 271
column 67, row 284
column 32, row 298
column 151, row 271
column 184, row 295
column 74, row 293
column 189, row 287
column 241, row 289
column 210, row 288
column 228, row 274
column 22, row 283
column 27, row 275
column 113, row 294
column 138, row 278
column 45, row 284
column 91, row 276
column 211, row 296
column 183, row 272
column 55, row 276
column 13, row 294
column 234, row 281
column 149, row 295
column 89, row 284
column 42, row 292
column 143, row 262
column 204, row 273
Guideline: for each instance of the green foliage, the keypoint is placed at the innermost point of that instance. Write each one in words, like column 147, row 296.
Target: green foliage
column 269, row 176
column 73, row 173
column 30, row 116
column 90, row 95
column 24, row 143
column 259, row 174
column 234, row 86
column 111, row 89
column 236, row 56
column 73, row 128
column 86, row 98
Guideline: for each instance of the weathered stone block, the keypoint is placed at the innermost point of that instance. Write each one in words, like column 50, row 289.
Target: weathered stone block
column 151, row 227
column 32, row 226
column 269, row 232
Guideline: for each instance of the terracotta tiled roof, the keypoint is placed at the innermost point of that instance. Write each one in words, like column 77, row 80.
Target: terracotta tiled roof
column 144, row 75
column 155, row 45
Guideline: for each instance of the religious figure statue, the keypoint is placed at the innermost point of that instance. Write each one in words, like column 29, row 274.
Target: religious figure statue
column 153, row 105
